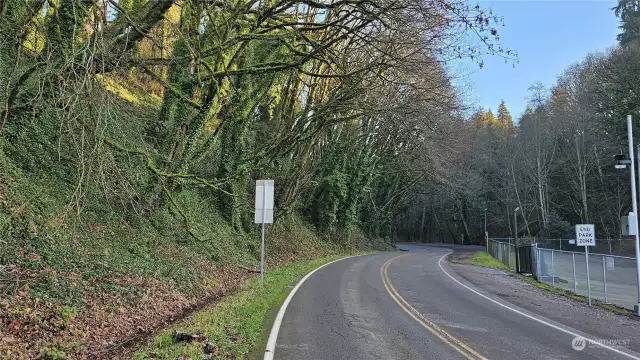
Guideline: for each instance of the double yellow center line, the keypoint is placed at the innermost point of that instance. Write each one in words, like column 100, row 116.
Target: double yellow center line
column 447, row 338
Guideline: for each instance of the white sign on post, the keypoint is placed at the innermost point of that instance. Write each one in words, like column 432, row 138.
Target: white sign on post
column 264, row 214
column 585, row 235
column 264, row 202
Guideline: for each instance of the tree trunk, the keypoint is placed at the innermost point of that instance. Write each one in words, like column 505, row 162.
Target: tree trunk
column 515, row 187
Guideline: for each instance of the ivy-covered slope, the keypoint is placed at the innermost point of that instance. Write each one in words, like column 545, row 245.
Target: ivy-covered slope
column 84, row 267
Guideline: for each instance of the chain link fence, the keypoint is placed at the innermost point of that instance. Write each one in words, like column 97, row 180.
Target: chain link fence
column 620, row 247
column 503, row 250
column 562, row 264
column 612, row 278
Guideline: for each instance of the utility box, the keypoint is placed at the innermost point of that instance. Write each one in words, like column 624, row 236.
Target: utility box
column 628, row 224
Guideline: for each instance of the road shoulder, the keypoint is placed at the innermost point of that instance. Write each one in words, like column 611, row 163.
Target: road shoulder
column 601, row 323
column 233, row 325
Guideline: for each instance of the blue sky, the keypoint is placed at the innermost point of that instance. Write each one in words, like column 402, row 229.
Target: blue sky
column 549, row 36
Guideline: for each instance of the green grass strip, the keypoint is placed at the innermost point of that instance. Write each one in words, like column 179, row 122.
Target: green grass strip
column 574, row 296
column 237, row 323
column 485, row 260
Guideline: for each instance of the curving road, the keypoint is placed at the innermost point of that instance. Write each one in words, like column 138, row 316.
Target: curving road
column 413, row 305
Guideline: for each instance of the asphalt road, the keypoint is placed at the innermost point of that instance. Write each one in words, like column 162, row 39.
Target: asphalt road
column 404, row 306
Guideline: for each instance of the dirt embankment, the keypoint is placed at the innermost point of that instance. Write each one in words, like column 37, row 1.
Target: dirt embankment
column 31, row 327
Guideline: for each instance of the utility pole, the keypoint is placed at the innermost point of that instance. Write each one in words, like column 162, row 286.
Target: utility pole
column 485, row 221
column 515, row 245
column 634, row 205
column 515, row 225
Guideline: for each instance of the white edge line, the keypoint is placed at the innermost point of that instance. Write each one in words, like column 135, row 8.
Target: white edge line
column 533, row 317
column 273, row 335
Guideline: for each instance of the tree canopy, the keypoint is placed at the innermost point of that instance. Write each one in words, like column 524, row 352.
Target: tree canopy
column 134, row 102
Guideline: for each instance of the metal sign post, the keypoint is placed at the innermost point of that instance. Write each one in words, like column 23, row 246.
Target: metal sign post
column 586, row 254
column 586, row 236
column 575, row 281
column 636, row 307
column 634, row 205
column 263, row 214
column 604, row 277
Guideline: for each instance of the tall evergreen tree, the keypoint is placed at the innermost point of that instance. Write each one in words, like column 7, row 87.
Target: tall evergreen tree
column 504, row 120
column 490, row 119
column 629, row 13
column 479, row 118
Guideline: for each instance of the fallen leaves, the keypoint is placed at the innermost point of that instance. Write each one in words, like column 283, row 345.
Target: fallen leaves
column 209, row 348
column 15, row 325
column 34, row 257
column 107, row 325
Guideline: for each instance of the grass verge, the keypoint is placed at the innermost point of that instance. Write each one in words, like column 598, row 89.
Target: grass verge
column 574, row 296
column 485, row 260
column 235, row 324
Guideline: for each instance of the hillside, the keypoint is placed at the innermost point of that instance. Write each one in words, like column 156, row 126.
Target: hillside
column 132, row 133
column 84, row 274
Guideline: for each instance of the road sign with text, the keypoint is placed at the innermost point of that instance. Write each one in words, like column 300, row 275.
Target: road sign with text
column 264, row 202
column 585, row 235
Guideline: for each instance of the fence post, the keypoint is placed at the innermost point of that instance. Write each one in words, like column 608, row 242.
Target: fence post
column 538, row 275
column 504, row 257
column 604, row 276
column 553, row 273
column 575, row 281
column 518, row 258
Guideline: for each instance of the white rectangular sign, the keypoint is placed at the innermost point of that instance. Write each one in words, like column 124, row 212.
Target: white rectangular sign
column 264, row 201
column 611, row 264
column 585, row 235
column 633, row 226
